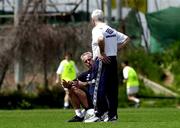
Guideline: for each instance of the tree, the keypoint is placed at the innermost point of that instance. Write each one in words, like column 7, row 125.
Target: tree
column 40, row 44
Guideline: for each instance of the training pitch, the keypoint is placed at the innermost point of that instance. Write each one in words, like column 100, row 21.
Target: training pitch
column 56, row 118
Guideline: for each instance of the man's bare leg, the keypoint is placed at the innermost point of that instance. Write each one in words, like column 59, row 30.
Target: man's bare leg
column 81, row 96
column 74, row 99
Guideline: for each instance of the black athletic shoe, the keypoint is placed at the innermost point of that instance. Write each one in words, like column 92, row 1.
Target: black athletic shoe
column 76, row 119
column 111, row 119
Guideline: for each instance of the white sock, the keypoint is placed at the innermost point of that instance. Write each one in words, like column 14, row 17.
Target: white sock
column 136, row 100
column 66, row 104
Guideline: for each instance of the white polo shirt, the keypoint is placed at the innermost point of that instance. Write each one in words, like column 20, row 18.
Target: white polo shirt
column 111, row 36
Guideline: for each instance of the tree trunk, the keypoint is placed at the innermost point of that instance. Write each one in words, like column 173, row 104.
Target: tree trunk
column 45, row 70
column 4, row 71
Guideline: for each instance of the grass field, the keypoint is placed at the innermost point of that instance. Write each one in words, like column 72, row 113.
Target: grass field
column 56, row 118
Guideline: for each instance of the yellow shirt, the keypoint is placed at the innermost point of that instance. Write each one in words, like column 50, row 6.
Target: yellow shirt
column 67, row 70
column 130, row 74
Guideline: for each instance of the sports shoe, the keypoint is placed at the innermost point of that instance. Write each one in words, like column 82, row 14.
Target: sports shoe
column 111, row 119
column 104, row 116
column 76, row 119
column 92, row 119
column 90, row 116
column 137, row 105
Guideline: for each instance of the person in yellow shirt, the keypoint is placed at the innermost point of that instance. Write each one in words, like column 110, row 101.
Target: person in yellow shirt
column 132, row 83
column 67, row 71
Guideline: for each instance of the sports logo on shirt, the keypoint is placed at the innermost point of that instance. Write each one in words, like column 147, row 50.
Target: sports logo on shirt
column 109, row 31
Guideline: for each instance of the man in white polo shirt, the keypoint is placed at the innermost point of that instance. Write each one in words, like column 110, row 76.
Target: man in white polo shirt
column 106, row 41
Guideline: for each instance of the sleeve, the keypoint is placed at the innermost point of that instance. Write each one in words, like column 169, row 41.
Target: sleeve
column 125, row 73
column 96, row 33
column 83, row 76
column 60, row 69
column 121, row 37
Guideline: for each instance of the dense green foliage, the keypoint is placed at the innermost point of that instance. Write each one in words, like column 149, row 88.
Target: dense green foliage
column 171, row 61
column 128, row 118
column 46, row 98
column 144, row 63
column 155, row 65
column 53, row 98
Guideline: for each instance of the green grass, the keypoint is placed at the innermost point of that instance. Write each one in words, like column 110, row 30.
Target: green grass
column 56, row 118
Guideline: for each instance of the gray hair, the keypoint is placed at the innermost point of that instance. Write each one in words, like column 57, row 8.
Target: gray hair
column 97, row 15
column 86, row 54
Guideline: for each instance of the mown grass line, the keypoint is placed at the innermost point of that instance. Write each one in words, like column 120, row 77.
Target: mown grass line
column 56, row 118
